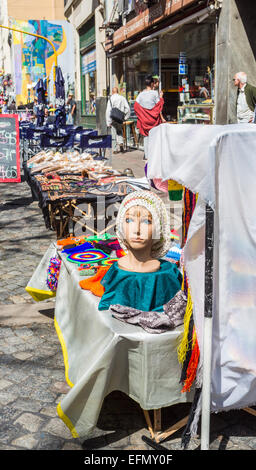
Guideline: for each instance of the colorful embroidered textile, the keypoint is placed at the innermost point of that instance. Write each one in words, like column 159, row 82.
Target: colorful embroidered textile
column 143, row 291
column 174, row 253
column 108, row 261
column 79, row 248
column 53, row 273
column 154, row 322
column 93, row 283
column 175, row 190
column 71, row 240
column 88, row 256
column 37, row 286
column 174, row 235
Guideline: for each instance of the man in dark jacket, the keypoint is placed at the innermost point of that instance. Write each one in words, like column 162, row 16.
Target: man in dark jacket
column 246, row 99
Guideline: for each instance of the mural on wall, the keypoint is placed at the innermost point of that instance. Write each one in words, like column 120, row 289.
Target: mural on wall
column 34, row 57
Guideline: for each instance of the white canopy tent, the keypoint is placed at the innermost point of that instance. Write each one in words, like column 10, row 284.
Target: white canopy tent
column 219, row 164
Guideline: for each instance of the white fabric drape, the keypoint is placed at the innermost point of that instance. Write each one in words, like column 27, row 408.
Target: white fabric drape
column 219, row 163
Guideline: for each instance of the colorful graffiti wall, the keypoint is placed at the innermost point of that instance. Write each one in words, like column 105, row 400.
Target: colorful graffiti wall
column 34, row 57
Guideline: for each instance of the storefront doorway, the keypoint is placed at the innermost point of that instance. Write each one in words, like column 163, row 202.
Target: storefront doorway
column 184, row 59
column 187, row 72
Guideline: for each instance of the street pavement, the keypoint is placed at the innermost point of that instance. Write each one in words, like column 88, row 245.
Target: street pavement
column 32, row 379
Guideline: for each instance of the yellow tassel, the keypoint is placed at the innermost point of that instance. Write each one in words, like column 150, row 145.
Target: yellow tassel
column 183, row 346
column 194, row 338
column 183, row 277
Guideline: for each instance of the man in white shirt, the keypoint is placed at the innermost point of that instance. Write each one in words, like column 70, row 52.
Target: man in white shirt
column 246, row 99
column 120, row 102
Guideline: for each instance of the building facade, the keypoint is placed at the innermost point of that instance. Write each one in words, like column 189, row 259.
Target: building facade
column 25, row 58
column 195, row 47
column 5, row 40
column 24, row 10
column 87, row 18
column 30, row 9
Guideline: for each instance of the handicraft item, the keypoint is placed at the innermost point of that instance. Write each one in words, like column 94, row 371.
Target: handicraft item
column 53, row 274
column 88, row 256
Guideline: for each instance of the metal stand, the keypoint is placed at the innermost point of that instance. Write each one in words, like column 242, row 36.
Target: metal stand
column 207, row 339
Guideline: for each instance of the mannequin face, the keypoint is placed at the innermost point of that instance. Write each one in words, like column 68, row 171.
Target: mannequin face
column 138, row 228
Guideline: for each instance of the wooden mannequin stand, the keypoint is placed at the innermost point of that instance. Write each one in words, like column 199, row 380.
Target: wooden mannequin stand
column 156, row 429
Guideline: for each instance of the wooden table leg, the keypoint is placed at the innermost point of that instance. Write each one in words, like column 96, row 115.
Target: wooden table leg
column 161, row 436
column 125, row 135
column 156, row 430
column 250, row 410
column 157, row 421
column 134, row 134
column 149, row 423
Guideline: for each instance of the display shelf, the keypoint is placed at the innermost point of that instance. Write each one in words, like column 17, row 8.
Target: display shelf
column 196, row 113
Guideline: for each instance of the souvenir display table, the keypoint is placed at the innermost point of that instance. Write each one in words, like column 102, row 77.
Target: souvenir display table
column 103, row 354
column 62, row 182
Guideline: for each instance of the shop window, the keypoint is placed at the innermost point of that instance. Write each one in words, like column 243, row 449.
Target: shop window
column 88, row 73
column 134, row 67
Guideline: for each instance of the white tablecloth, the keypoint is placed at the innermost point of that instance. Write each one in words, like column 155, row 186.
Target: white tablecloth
column 103, row 354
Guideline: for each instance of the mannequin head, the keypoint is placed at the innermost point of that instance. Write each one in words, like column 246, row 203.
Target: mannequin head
column 138, row 229
column 143, row 225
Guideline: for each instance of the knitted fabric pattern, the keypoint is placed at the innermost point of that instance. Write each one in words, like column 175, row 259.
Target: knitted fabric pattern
column 53, row 272
column 160, row 216
column 93, row 283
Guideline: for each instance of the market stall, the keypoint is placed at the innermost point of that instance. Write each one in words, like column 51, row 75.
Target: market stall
column 70, row 186
column 101, row 353
column 111, row 346
column 216, row 163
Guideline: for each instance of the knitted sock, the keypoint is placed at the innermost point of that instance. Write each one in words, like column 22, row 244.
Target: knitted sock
column 93, row 283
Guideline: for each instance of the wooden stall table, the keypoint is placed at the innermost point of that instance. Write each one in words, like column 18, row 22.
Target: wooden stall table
column 62, row 214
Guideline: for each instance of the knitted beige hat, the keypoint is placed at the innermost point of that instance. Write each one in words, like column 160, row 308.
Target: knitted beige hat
column 160, row 216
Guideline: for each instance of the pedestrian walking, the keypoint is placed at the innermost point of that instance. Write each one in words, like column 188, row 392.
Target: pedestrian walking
column 245, row 99
column 70, row 109
column 148, row 108
column 156, row 82
column 35, row 107
column 12, row 106
column 48, row 118
column 5, row 107
column 118, row 111
column 156, row 87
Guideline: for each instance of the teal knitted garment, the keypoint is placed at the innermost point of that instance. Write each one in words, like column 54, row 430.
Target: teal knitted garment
column 143, row 291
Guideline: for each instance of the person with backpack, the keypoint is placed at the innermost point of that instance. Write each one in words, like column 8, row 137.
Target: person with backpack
column 118, row 111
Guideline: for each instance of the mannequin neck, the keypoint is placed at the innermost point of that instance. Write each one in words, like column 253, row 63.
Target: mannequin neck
column 139, row 261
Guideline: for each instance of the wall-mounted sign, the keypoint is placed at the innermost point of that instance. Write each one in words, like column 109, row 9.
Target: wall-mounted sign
column 88, row 62
column 147, row 18
column 183, row 69
column 9, row 149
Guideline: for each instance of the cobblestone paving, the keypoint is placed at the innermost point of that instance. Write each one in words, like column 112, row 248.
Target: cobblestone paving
column 23, row 240
column 32, row 380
